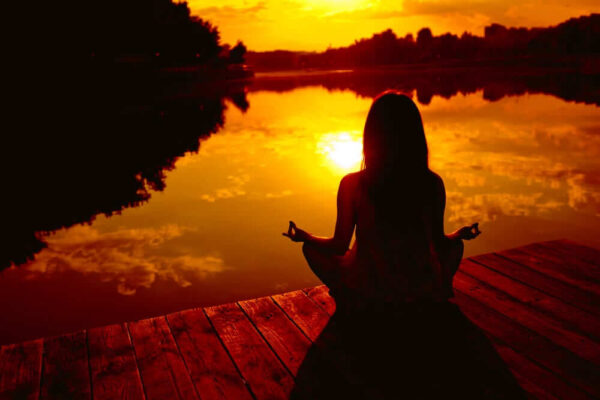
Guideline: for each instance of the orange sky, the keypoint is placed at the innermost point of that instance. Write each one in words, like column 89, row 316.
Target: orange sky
column 316, row 24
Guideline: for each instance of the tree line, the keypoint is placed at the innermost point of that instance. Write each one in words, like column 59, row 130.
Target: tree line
column 156, row 31
column 574, row 37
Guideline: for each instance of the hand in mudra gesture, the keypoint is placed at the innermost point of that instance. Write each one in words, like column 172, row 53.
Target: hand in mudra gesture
column 469, row 232
column 295, row 234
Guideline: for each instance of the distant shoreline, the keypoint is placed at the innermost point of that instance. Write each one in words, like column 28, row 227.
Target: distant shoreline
column 589, row 65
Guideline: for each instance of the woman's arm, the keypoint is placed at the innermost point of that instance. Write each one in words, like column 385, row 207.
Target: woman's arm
column 344, row 226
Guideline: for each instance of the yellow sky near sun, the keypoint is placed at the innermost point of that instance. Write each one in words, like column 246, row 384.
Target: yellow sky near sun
column 316, row 24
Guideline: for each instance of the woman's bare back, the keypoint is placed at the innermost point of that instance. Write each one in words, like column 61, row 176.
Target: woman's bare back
column 397, row 264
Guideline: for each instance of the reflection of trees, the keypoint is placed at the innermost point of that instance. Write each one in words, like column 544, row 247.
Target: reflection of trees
column 102, row 109
column 495, row 83
column 100, row 147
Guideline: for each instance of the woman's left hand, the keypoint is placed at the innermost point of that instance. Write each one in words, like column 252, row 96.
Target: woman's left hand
column 469, row 232
column 295, row 233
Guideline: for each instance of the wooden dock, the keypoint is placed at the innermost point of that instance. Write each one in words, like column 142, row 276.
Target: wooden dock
column 538, row 305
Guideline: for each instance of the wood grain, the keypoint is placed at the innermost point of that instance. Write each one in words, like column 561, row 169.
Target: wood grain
column 565, row 259
column 320, row 295
column 20, row 370
column 578, row 372
column 260, row 367
column 66, row 372
column 542, row 378
column 554, row 270
column 304, row 312
column 575, row 318
column 285, row 338
column 579, row 298
column 589, row 254
column 113, row 366
column 211, row 368
column 163, row 371
column 548, row 327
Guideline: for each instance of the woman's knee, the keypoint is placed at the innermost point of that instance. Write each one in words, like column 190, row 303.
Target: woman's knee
column 313, row 256
column 308, row 250
column 455, row 255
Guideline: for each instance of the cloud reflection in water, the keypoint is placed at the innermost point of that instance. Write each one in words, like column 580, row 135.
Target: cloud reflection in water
column 128, row 257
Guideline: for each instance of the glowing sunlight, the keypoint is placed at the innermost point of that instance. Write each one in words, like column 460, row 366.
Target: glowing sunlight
column 342, row 149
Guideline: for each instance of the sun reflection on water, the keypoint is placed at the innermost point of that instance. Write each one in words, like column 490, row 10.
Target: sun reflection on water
column 342, row 150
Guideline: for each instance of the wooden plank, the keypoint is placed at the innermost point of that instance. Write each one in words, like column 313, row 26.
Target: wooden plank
column 260, row 367
column 211, row 368
column 528, row 370
column 565, row 260
column 279, row 331
column 66, row 373
column 20, row 370
column 163, row 371
column 576, row 318
column 589, row 254
column 551, row 269
column 572, row 254
column 311, row 318
column 533, row 391
column 585, row 300
column 528, row 317
column 304, row 312
column 576, row 371
column 320, row 295
column 112, row 364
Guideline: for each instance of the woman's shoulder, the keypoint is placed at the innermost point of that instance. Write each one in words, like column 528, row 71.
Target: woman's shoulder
column 351, row 179
column 438, row 190
column 350, row 186
column 437, row 181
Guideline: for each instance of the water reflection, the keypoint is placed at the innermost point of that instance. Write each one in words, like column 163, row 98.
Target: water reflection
column 99, row 148
column 128, row 258
column 428, row 81
column 342, row 150
column 527, row 167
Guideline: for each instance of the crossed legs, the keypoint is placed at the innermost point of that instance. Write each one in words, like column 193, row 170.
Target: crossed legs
column 329, row 269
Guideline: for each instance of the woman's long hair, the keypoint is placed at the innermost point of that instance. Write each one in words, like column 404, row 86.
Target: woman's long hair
column 396, row 168
column 400, row 186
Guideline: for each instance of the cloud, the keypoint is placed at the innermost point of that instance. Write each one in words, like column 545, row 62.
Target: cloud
column 278, row 195
column 584, row 192
column 416, row 8
column 466, row 179
column 235, row 189
column 228, row 12
column 127, row 257
column 465, row 7
column 463, row 209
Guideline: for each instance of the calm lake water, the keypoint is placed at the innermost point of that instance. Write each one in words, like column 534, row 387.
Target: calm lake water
column 527, row 167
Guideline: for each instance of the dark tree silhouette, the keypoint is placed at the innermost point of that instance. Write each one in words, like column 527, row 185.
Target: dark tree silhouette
column 103, row 118
column 104, row 151
column 157, row 30
column 424, row 37
column 571, row 43
column 236, row 54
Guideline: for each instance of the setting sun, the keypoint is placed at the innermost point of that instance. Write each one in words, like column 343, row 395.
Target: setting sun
column 342, row 149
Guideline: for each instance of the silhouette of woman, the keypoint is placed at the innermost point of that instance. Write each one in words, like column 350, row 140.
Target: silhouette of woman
column 401, row 254
column 393, row 334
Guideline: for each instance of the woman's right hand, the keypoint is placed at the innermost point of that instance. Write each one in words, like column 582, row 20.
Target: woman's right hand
column 468, row 232
column 295, row 233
